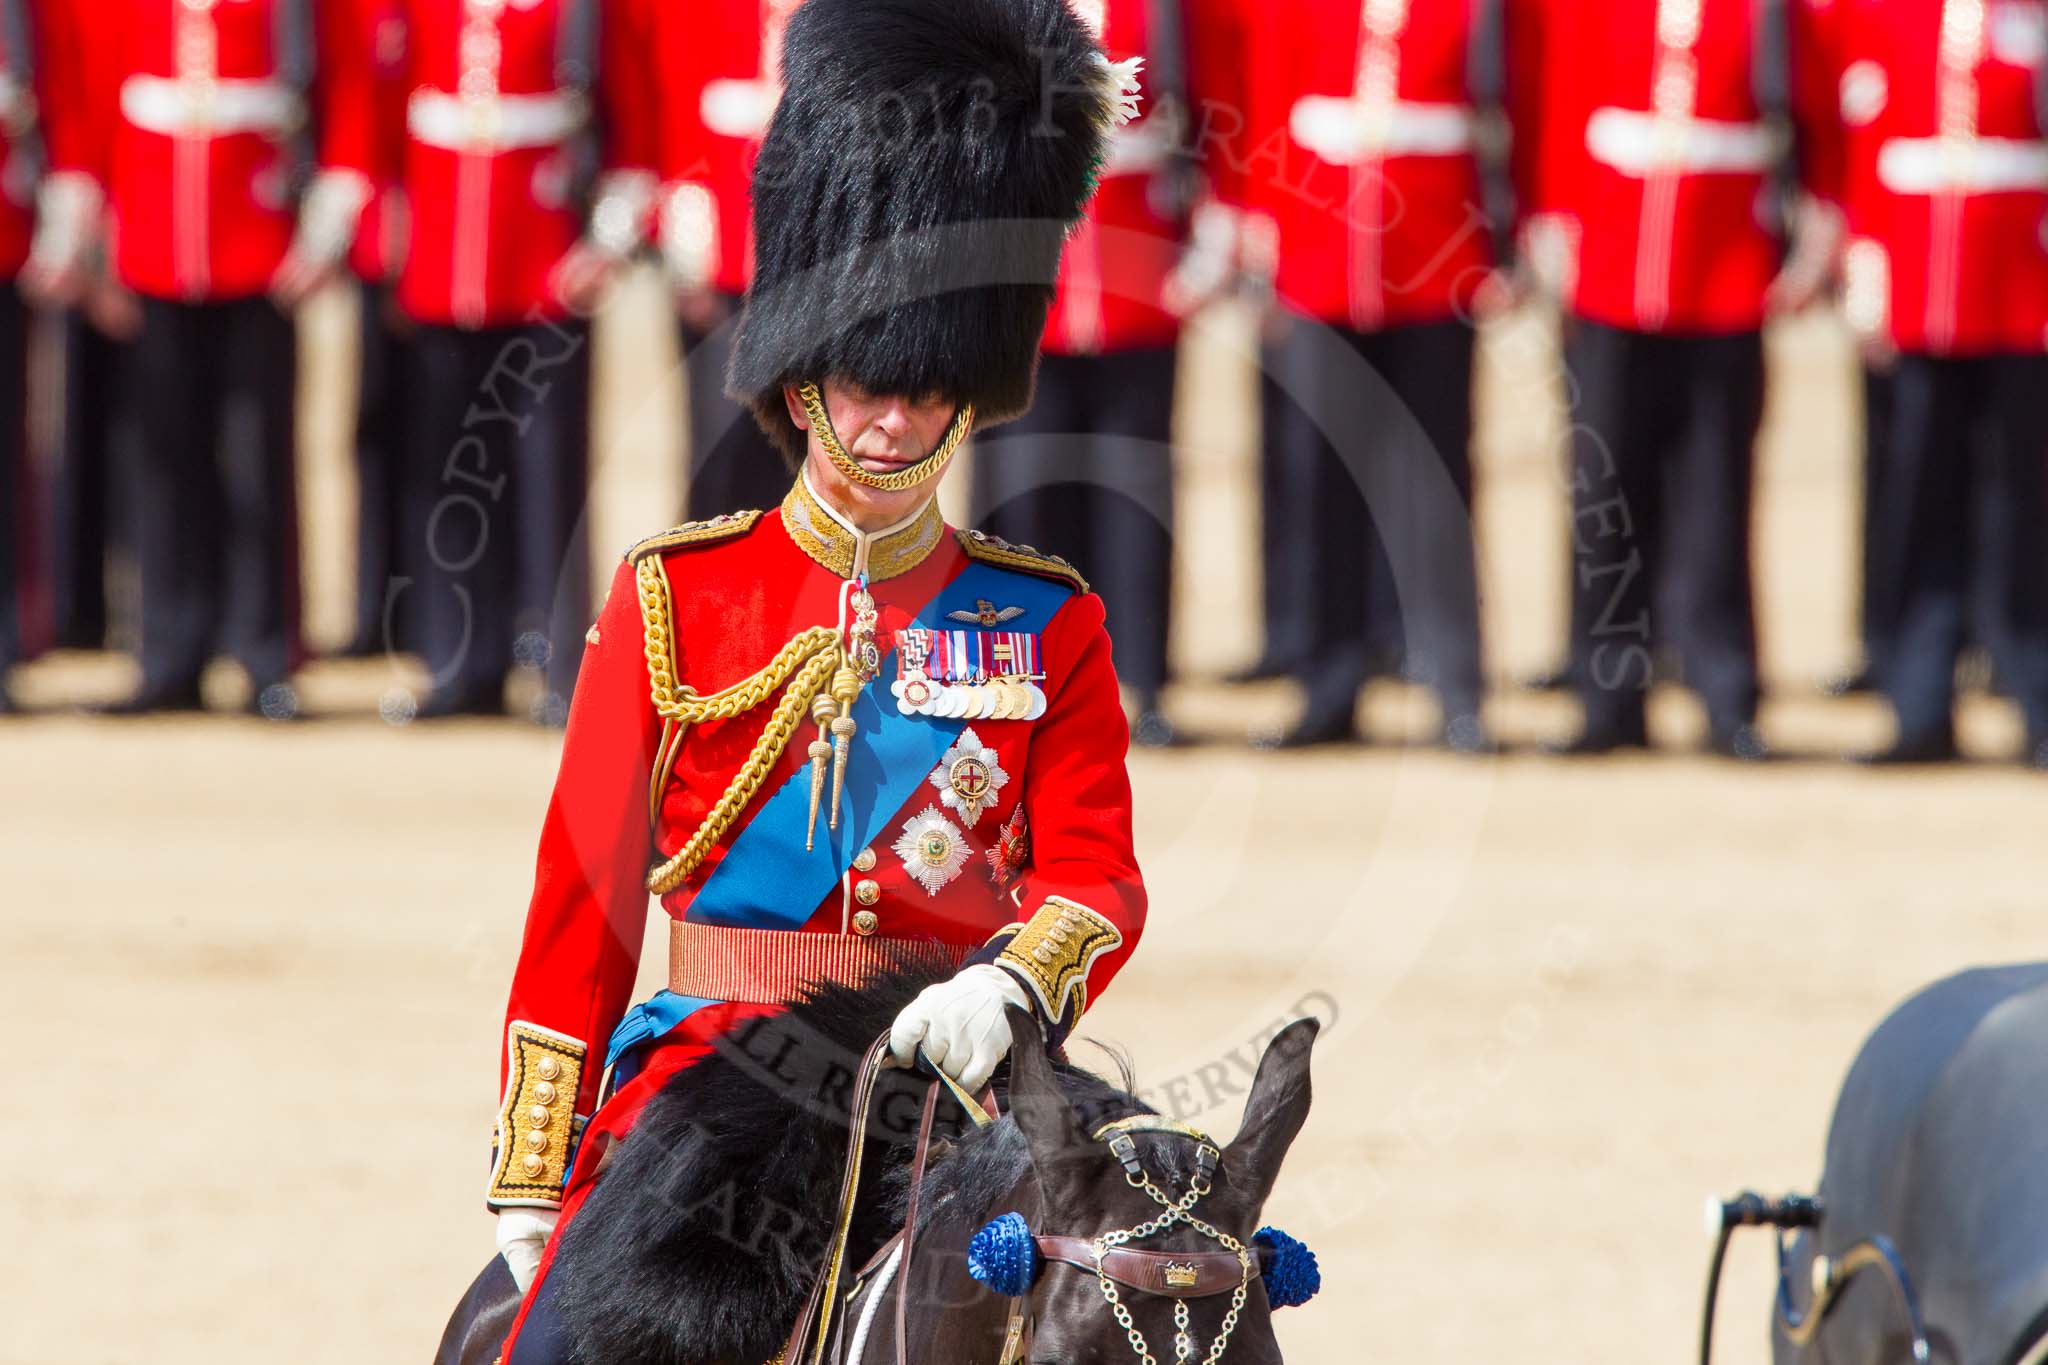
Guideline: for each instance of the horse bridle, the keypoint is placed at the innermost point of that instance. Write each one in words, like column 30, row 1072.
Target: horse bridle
column 1180, row 1276
column 1177, row 1275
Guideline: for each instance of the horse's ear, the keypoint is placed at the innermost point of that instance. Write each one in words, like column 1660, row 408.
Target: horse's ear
column 1273, row 1113
column 1059, row 1149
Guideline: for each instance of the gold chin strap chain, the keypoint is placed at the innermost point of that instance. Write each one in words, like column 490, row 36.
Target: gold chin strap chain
column 821, row 427
column 1176, row 1211
column 803, row 668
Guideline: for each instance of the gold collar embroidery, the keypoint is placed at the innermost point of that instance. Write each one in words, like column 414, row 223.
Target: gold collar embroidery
column 827, row 537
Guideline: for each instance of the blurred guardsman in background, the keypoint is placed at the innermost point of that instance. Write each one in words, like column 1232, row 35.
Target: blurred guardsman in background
column 1087, row 473
column 1384, row 251
column 1226, row 128
column 20, row 170
column 1663, row 144
column 717, row 75
column 1944, row 178
column 362, row 97
column 190, row 124
column 962, row 783
column 514, row 233
column 67, row 254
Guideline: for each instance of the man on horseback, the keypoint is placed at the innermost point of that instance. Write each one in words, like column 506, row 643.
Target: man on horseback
column 828, row 732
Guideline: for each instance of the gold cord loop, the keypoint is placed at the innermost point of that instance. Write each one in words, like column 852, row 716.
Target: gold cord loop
column 806, row 665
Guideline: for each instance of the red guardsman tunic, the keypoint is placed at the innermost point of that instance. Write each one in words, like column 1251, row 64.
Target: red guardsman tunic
column 363, row 123
column 719, row 77
column 1656, row 154
column 72, row 191
column 185, row 115
column 1944, row 171
column 951, row 829
column 20, row 79
column 484, row 123
column 1120, row 254
column 1365, row 158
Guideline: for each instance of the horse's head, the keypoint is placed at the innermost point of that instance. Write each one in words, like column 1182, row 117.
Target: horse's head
column 1144, row 1242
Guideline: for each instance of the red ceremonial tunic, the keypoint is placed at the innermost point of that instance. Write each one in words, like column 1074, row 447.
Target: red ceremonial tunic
column 1221, row 134
column 363, row 122
column 64, row 93
column 21, row 80
column 1944, row 171
column 1055, row 824
column 1117, row 261
column 186, row 116
column 718, row 79
column 1363, row 157
column 498, row 103
column 1655, row 153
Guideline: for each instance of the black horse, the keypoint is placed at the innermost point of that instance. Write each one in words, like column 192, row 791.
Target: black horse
column 1928, row 1239
column 707, row 1231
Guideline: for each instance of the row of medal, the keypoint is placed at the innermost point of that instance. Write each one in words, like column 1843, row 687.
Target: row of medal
column 969, row 674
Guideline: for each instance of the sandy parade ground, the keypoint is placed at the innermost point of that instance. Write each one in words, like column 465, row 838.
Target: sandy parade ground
column 254, row 974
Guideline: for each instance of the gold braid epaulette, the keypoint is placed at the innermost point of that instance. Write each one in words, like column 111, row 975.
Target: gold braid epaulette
column 1001, row 553
column 806, row 664
column 722, row 527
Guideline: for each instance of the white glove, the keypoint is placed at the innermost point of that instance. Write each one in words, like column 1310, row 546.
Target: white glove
column 522, row 1236
column 328, row 214
column 960, row 1023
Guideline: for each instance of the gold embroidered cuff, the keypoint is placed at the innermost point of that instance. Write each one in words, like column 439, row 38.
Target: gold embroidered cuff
column 537, row 1126
column 1053, row 951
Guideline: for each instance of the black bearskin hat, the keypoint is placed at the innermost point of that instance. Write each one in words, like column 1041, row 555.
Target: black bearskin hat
column 912, row 197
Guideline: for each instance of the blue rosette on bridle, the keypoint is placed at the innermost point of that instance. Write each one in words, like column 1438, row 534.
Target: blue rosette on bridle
column 1287, row 1268
column 1004, row 1256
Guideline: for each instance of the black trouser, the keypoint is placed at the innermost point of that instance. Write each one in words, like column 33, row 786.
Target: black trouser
column 1992, row 550
column 387, row 531
column 1965, row 435
column 1088, row 473
column 1663, row 457
column 1285, row 557
column 733, row 466
column 1877, row 418
column 1377, row 480
column 501, row 419
column 16, row 493
column 215, row 511
column 97, row 414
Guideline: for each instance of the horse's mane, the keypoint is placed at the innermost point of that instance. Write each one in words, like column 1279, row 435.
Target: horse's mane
column 703, row 1236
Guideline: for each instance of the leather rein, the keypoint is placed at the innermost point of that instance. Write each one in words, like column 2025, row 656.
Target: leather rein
column 817, row 1339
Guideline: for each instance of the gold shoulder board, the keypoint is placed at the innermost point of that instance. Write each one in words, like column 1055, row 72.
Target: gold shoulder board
column 723, row 527
column 995, row 550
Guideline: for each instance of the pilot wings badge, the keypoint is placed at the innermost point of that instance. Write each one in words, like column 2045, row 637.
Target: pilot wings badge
column 986, row 614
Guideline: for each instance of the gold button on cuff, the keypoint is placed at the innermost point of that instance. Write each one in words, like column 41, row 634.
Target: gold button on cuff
column 544, row 1068
column 864, row 922
column 867, row 891
column 1054, row 950
column 864, row 861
